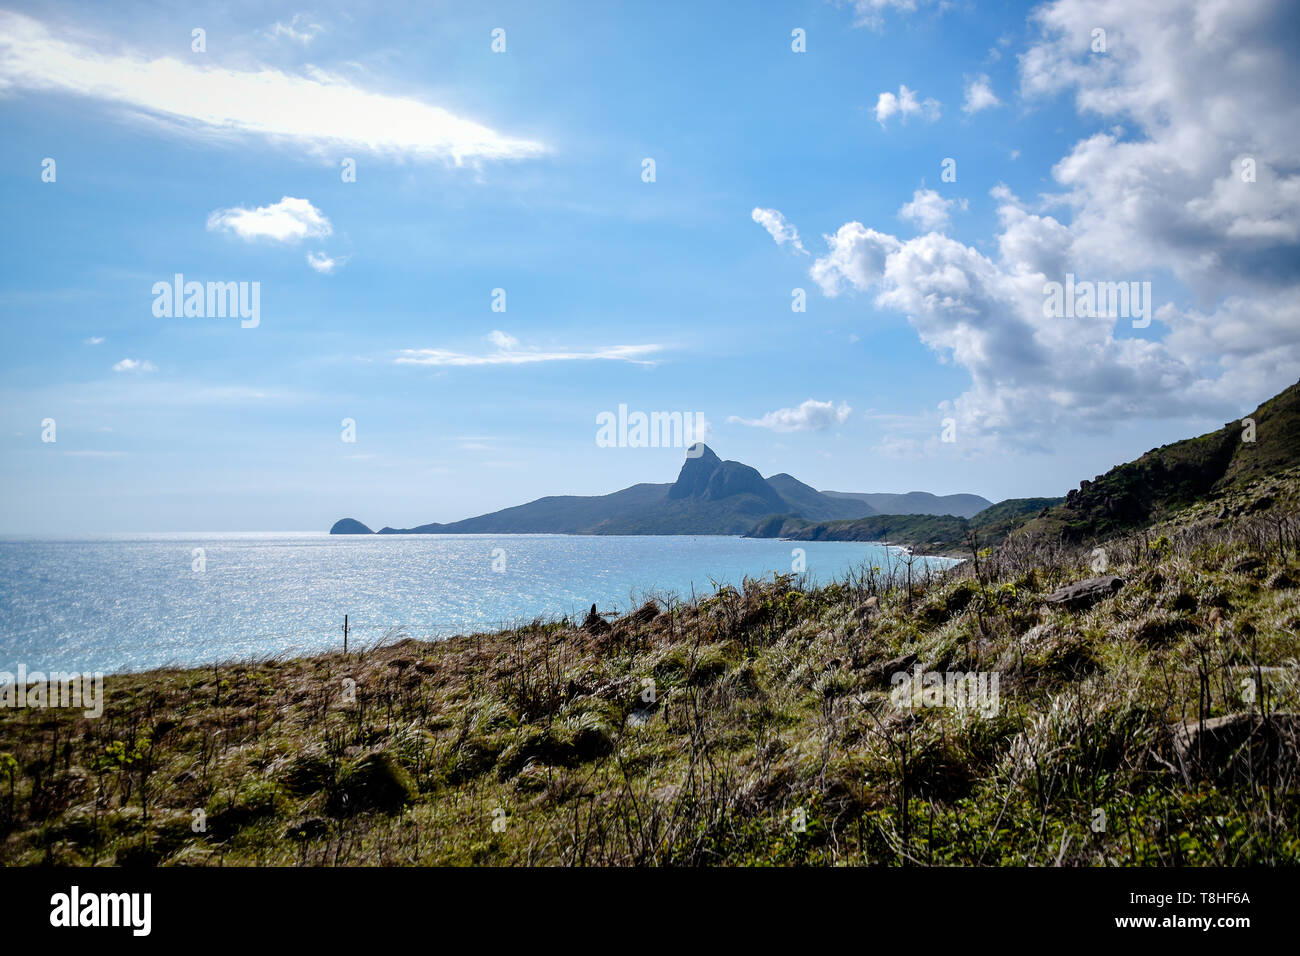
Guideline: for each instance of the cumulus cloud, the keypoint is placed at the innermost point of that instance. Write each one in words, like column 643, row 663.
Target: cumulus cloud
column 929, row 210
column 857, row 258
column 778, row 228
column 135, row 365
column 979, row 95
column 811, row 416
column 1187, row 93
column 503, row 340
column 289, row 220
column 319, row 111
column 904, row 104
column 1191, row 91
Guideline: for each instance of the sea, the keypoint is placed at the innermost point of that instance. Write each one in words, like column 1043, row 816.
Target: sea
column 124, row 603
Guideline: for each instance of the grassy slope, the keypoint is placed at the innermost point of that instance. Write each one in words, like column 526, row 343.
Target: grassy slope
column 925, row 534
column 768, row 701
column 1171, row 477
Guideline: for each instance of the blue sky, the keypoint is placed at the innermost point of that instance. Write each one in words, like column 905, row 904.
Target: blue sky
column 522, row 171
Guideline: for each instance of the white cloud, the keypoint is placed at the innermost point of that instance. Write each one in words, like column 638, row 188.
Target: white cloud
column 509, row 353
column 1205, row 86
column 94, row 340
column 1158, row 196
column 929, row 210
column 905, row 104
column 812, row 415
column 870, row 13
column 299, row 29
column 289, row 220
column 857, row 257
column 135, row 365
column 320, row 111
column 324, row 263
column 979, row 95
column 777, row 227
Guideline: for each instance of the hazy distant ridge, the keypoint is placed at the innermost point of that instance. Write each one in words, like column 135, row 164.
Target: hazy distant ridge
column 710, row 496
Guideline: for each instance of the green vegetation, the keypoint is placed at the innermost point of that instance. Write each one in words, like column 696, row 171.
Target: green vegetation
column 925, row 534
column 770, row 736
column 1150, row 716
column 1172, row 477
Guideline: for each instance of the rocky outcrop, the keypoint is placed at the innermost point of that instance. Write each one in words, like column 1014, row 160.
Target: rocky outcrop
column 709, row 478
column 1245, row 744
column 1083, row 594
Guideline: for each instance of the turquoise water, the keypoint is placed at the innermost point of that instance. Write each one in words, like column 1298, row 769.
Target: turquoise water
column 133, row 602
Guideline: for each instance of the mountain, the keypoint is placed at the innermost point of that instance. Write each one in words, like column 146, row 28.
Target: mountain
column 710, row 496
column 1171, row 477
column 818, row 505
column 917, row 503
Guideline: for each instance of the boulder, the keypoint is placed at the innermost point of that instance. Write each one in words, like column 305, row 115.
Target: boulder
column 884, row 671
column 1085, row 593
column 1240, row 743
column 1247, row 564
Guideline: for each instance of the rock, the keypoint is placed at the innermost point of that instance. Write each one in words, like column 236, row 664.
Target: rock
column 1085, row 593
column 1248, row 564
column 594, row 623
column 374, row 782
column 884, row 671
column 867, row 609
column 1235, row 744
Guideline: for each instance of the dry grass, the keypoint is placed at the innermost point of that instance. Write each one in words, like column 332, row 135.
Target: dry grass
column 770, row 736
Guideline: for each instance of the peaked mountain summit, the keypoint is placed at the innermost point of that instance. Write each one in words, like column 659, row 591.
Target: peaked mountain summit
column 710, row 496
